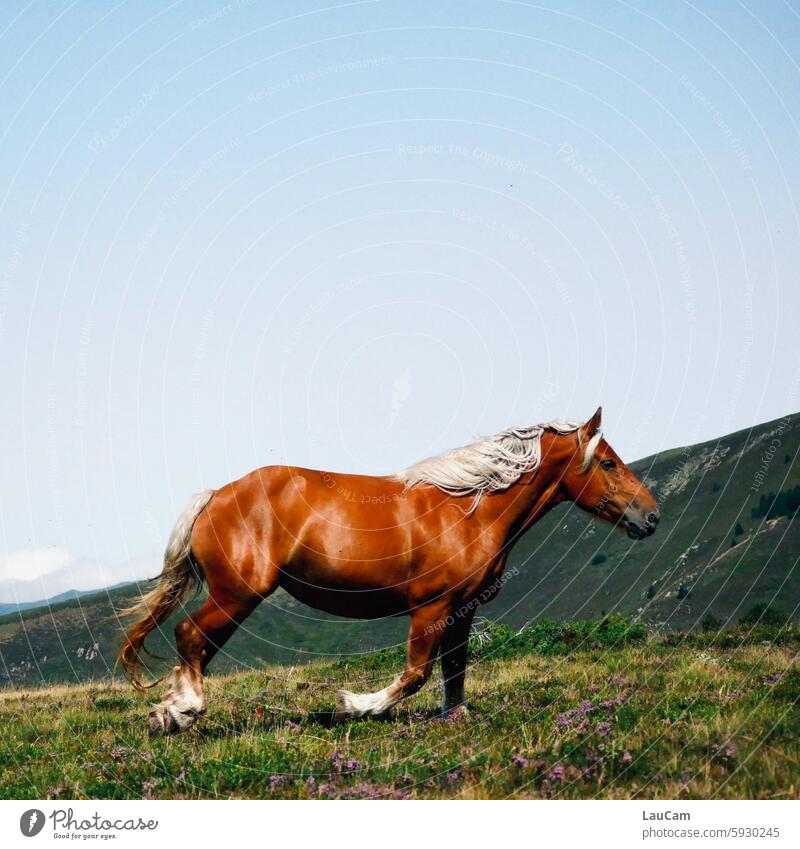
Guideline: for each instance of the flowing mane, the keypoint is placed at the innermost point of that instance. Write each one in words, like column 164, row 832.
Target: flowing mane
column 492, row 462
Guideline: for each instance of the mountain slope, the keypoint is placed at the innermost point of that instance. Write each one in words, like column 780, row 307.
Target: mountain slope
column 695, row 562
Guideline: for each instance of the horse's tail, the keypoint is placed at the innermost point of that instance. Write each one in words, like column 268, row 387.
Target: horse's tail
column 180, row 573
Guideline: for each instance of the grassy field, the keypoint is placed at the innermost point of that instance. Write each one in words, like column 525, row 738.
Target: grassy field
column 562, row 713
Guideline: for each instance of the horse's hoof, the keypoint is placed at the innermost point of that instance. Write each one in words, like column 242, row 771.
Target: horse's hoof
column 156, row 725
column 344, row 708
column 162, row 722
column 456, row 714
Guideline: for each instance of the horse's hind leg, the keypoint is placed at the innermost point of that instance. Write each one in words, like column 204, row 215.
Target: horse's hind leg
column 198, row 638
column 424, row 636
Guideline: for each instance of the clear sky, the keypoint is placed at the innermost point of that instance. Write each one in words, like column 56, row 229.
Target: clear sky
column 350, row 235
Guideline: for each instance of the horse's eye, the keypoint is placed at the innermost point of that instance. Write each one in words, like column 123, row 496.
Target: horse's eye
column 608, row 463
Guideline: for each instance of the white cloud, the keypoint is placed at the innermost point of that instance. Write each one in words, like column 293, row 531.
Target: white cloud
column 31, row 574
column 26, row 564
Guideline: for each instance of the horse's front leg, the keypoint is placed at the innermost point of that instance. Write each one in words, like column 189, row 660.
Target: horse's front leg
column 428, row 626
column 454, row 662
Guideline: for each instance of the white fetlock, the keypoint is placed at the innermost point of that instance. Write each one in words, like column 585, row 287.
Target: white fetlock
column 354, row 705
column 180, row 708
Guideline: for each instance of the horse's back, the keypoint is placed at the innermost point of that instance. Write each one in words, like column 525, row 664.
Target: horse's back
column 323, row 528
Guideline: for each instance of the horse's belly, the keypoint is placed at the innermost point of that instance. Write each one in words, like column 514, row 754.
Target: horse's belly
column 355, row 604
column 360, row 590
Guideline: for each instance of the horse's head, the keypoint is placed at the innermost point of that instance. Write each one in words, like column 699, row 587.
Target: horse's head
column 599, row 482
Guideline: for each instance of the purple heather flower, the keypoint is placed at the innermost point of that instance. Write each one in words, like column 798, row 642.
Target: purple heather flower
column 577, row 717
column 615, row 702
column 275, row 781
column 150, row 785
column 627, row 757
column 604, row 729
column 556, row 773
column 519, row 761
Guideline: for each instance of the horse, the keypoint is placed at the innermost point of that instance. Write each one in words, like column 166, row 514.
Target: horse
column 429, row 542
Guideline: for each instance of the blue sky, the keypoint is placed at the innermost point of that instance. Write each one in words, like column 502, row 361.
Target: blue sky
column 347, row 236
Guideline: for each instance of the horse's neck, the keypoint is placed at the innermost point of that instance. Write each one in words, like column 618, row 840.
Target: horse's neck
column 523, row 504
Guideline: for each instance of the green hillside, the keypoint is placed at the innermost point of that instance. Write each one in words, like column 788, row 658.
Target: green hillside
column 709, row 553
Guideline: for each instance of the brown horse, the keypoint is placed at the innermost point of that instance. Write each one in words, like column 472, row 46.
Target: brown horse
column 430, row 542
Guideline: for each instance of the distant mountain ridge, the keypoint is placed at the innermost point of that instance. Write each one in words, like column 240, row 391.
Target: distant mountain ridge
column 67, row 595
column 710, row 553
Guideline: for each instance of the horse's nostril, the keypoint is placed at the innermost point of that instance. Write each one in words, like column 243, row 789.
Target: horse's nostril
column 651, row 518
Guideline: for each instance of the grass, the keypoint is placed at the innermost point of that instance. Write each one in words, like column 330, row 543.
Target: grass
column 613, row 715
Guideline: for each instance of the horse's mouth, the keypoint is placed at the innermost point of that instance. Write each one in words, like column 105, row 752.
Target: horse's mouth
column 637, row 531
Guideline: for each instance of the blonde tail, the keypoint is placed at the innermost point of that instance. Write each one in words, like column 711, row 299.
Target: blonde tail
column 179, row 575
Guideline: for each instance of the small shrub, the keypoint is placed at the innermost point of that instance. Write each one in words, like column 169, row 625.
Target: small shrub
column 550, row 638
column 738, row 530
column 762, row 615
column 651, row 591
column 598, row 559
column 710, row 622
column 683, row 591
column 773, row 505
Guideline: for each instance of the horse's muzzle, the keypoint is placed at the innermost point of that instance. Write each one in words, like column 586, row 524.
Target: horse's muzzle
column 642, row 527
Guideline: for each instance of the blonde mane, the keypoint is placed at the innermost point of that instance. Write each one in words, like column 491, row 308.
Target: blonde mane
column 491, row 463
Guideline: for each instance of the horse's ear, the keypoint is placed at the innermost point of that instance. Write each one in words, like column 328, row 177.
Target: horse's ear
column 593, row 425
